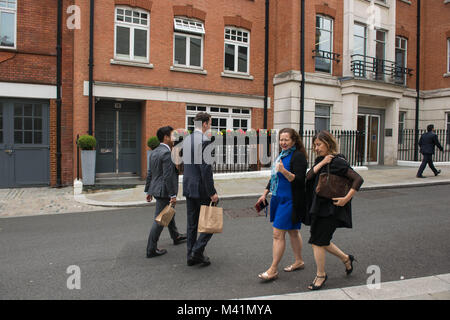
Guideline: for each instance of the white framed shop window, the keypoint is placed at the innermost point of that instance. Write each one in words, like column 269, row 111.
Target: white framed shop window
column 222, row 118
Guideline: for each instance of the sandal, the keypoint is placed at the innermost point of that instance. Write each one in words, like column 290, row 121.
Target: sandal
column 292, row 267
column 265, row 276
column 350, row 259
column 312, row 286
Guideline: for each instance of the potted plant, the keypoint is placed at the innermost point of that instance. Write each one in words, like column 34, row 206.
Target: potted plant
column 152, row 143
column 87, row 145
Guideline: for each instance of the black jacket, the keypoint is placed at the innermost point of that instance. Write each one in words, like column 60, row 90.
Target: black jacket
column 298, row 167
column 428, row 141
column 322, row 207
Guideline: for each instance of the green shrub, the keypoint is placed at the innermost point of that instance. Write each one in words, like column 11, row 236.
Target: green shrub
column 87, row 142
column 153, row 142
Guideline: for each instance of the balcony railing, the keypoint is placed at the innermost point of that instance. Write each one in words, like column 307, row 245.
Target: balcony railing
column 378, row 69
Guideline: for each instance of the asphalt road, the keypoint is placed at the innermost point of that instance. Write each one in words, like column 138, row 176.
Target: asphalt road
column 404, row 231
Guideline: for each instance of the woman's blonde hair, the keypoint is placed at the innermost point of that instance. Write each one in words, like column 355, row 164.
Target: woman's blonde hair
column 328, row 139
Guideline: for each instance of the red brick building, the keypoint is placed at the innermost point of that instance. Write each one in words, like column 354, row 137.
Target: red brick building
column 157, row 63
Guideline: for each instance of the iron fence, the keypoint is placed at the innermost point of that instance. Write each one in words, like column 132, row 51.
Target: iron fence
column 406, row 144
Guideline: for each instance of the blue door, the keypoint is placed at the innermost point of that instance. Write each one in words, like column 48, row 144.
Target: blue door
column 24, row 143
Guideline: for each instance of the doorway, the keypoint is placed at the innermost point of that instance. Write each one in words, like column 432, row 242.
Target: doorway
column 118, row 133
column 369, row 147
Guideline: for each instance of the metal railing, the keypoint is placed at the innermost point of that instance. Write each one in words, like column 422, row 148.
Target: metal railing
column 378, row 69
column 406, row 143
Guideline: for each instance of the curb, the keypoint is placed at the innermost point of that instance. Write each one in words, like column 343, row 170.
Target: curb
column 82, row 198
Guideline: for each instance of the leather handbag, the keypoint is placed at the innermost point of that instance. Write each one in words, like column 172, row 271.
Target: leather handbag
column 332, row 186
column 165, row 216
column 210, row 219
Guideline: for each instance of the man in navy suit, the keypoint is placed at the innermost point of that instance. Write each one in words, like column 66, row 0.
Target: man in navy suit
column 428, row 141
column 198, row 187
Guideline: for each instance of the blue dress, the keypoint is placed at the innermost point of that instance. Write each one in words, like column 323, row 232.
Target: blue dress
column 281, row 203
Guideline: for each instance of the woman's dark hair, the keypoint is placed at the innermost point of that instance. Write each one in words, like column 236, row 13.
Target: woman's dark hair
column 164, row 131
column 328, row 139
column 298, row 143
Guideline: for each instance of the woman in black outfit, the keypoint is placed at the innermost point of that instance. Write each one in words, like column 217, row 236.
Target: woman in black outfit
column 329, row 214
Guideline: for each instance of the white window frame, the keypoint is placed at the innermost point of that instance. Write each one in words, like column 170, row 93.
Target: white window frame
column 221, row 114
column 14, row 11
column 237, row 44
column 190, row 28
column 448, row 55
column 400, row 38
column 329, row 106
column 132, row 26
column 331, row 41
column 401, row 123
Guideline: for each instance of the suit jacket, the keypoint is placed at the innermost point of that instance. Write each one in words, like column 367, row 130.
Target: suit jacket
column 298, row 166
column 162, row 176
column 198, row 182
column 428, row 141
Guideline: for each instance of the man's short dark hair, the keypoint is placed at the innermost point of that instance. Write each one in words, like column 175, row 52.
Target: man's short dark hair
column 430, row 127
column 202, row 116
column 164, row 131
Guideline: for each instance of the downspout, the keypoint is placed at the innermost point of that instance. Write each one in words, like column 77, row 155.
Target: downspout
column 302, row 68
column 266, row 64
column 91, row 64
column 416, row 128
column 58, row 92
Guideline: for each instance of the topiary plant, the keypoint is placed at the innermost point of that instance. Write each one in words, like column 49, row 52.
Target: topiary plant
column 153, row 142
column 87, row 142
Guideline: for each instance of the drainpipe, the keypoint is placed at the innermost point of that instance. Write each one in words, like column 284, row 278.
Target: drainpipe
column 91, row 65
column 266, row 64
column 302, row 68
column 58, row 93
column 416, row 128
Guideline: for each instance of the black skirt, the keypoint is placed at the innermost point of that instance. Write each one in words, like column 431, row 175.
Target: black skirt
column 322, row 230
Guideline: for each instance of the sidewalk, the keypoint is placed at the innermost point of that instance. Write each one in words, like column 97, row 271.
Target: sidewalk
column 247, row 185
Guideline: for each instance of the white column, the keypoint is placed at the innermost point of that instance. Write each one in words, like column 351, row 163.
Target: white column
column 348, row 37
column 349, row 111
column 391, row 122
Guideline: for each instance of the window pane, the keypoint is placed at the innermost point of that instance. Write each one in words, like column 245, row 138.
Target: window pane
column 123, row 41
column 28, row 137
column 242, row 62
column 1, row 123
column 38, row 137
column 223, row 122
column 140, row 43
column 180, row 50
column 236, row 123
column 7, row 27
column 37, row 110
column 214, row 122
column 196, row 51
column 18, row 137
column 28, row 123
column 28, row 110
column 322, row 124
column 359, row 30
column 229, row 57
column 323, row 111
column 18, row 110
column 214, row 109
column 18, row 124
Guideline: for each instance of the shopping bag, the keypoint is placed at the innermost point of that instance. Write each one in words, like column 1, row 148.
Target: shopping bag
column 210, row 219
column 165, row 216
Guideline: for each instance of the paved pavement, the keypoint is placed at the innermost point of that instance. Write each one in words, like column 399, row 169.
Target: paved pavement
column 43, row 201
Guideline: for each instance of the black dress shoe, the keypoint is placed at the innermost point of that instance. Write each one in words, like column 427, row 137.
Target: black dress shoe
column 180, row 239
column 437, row 172
column 203, row 260
column 156, row 253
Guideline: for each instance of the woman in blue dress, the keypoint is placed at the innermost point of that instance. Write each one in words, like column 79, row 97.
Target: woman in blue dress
column 287, row 205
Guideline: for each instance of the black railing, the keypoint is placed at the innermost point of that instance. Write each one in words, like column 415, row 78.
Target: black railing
column 326, row 55
column 406, row 145
column 378, row 69
column 245, row 155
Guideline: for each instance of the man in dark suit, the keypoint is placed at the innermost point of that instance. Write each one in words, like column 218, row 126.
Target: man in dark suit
column 162, row 183
column 198, row 187
column 428, row 141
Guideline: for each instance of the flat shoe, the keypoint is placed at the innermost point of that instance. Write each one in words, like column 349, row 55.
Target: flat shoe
column 293, row 268
column 265, row 276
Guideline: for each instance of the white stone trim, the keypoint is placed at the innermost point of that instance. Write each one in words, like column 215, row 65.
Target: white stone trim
column 131, row 63
column 141, row 92
column 27, row 90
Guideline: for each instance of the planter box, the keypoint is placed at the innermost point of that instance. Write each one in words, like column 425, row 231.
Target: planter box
column 88, row 166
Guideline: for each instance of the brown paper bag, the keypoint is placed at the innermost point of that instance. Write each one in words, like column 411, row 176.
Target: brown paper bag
column 210, row 219
column 165, row 216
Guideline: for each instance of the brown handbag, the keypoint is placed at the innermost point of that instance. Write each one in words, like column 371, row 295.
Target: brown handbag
column 332, row 186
